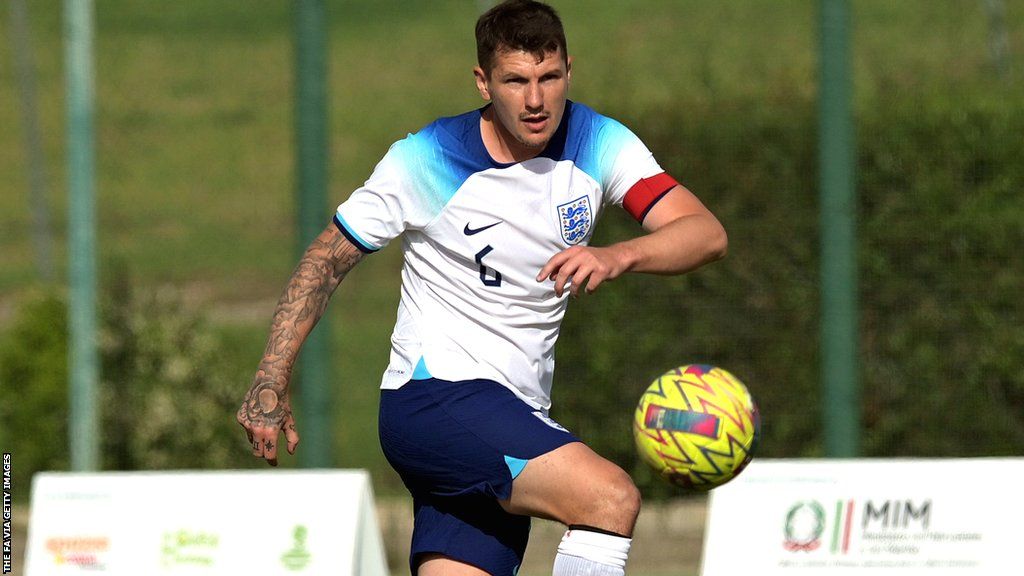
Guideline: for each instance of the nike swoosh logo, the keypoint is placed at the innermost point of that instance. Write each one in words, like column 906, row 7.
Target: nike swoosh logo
column 471, row 231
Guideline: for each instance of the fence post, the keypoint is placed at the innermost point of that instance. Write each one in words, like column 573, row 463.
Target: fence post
column 836, row 154
column 311, row 126
column 83, row 361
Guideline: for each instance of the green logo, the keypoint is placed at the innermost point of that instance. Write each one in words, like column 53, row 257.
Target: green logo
column 805, row 523
column 192, row 548
column 298, row 556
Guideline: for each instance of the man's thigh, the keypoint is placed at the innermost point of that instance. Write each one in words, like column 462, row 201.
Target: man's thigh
column 574, row 485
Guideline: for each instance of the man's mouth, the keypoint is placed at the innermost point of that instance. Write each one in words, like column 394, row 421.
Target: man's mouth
column 536, row 123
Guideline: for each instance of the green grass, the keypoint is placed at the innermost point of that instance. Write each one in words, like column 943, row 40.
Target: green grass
column 195, row 145
column 194, row 141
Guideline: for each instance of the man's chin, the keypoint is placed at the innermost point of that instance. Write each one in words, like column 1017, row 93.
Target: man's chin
column 535, row 142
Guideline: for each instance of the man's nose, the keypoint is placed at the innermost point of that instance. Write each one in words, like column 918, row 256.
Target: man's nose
column 534, row 97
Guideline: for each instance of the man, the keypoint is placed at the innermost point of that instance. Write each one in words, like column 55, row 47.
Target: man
column 496, row 208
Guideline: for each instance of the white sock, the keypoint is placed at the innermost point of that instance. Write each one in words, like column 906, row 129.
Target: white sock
column 588, row 553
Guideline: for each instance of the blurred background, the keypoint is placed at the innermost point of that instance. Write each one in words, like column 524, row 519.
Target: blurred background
column 196, row 210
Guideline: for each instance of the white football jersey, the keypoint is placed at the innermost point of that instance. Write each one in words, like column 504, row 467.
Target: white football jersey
column 475, row 234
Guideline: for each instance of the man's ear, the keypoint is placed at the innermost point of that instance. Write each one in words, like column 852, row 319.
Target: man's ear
column 482, row 83
column 568, row 69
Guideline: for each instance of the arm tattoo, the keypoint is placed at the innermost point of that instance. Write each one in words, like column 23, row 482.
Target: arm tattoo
column 322, row 268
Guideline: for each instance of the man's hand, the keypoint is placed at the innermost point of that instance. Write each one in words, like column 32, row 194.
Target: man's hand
column 585, row 266
column 264, row 413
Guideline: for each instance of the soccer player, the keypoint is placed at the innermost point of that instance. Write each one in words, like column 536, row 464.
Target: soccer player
column 495, row 208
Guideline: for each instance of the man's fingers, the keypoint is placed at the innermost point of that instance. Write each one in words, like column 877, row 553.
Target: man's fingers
column 240, row 418
column 576, row 268
column 290, row 434
column 264, row 444
column 270, row 450
column 550, row 269
column 574, row 288
column 566, row 274
column 591, row 280
column 248, row 432
column 583, row 276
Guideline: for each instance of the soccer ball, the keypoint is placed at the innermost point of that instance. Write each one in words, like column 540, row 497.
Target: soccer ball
column 697, row 426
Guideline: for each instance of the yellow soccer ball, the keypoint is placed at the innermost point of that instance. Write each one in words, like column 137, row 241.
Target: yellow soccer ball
column 697, row 426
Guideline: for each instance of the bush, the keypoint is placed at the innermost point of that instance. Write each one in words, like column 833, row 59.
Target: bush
column 34, row 386
column 167, row 393
column 940, row 217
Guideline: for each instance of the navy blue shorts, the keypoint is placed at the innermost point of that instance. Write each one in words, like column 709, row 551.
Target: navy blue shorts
column 457, row 447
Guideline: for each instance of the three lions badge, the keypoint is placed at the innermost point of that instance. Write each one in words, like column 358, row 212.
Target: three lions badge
column 575, row 218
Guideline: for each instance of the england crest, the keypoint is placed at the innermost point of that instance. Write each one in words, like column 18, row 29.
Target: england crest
column 575, row 218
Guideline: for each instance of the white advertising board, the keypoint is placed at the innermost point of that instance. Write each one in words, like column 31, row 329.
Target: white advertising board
column 182, row 523
column 852, row 517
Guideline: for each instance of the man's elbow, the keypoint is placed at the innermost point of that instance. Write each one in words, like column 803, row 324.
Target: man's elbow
column 718, row 243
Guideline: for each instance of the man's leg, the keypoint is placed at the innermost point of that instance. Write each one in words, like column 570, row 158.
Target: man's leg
column 596, row 499
column 441, row 565
column 575, row 486
column 461, row 448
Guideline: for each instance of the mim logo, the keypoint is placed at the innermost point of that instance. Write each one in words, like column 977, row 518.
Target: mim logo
column 809, row 524
column 896, row 514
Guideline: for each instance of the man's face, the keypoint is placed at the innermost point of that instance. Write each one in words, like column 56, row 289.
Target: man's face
column 528, row 97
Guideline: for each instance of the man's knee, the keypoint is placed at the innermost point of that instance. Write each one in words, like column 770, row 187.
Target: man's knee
column 623, row 498
column 613, row 504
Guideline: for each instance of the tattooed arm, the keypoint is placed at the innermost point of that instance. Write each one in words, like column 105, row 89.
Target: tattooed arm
column 266, row 410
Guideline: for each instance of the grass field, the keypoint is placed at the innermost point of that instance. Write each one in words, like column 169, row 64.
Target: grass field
column 194, row 104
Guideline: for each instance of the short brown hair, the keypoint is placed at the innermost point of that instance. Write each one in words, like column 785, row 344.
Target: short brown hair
column 525, row 25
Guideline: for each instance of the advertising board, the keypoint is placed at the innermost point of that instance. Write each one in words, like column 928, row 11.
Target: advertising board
column 272, row 523
column 867, row 516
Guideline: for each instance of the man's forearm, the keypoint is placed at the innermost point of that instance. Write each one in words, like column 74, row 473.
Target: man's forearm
column 680, row 246
column 318, row 274
column 323, row 266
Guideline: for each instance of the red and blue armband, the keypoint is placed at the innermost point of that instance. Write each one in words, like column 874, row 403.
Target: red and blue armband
column 645, row 194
